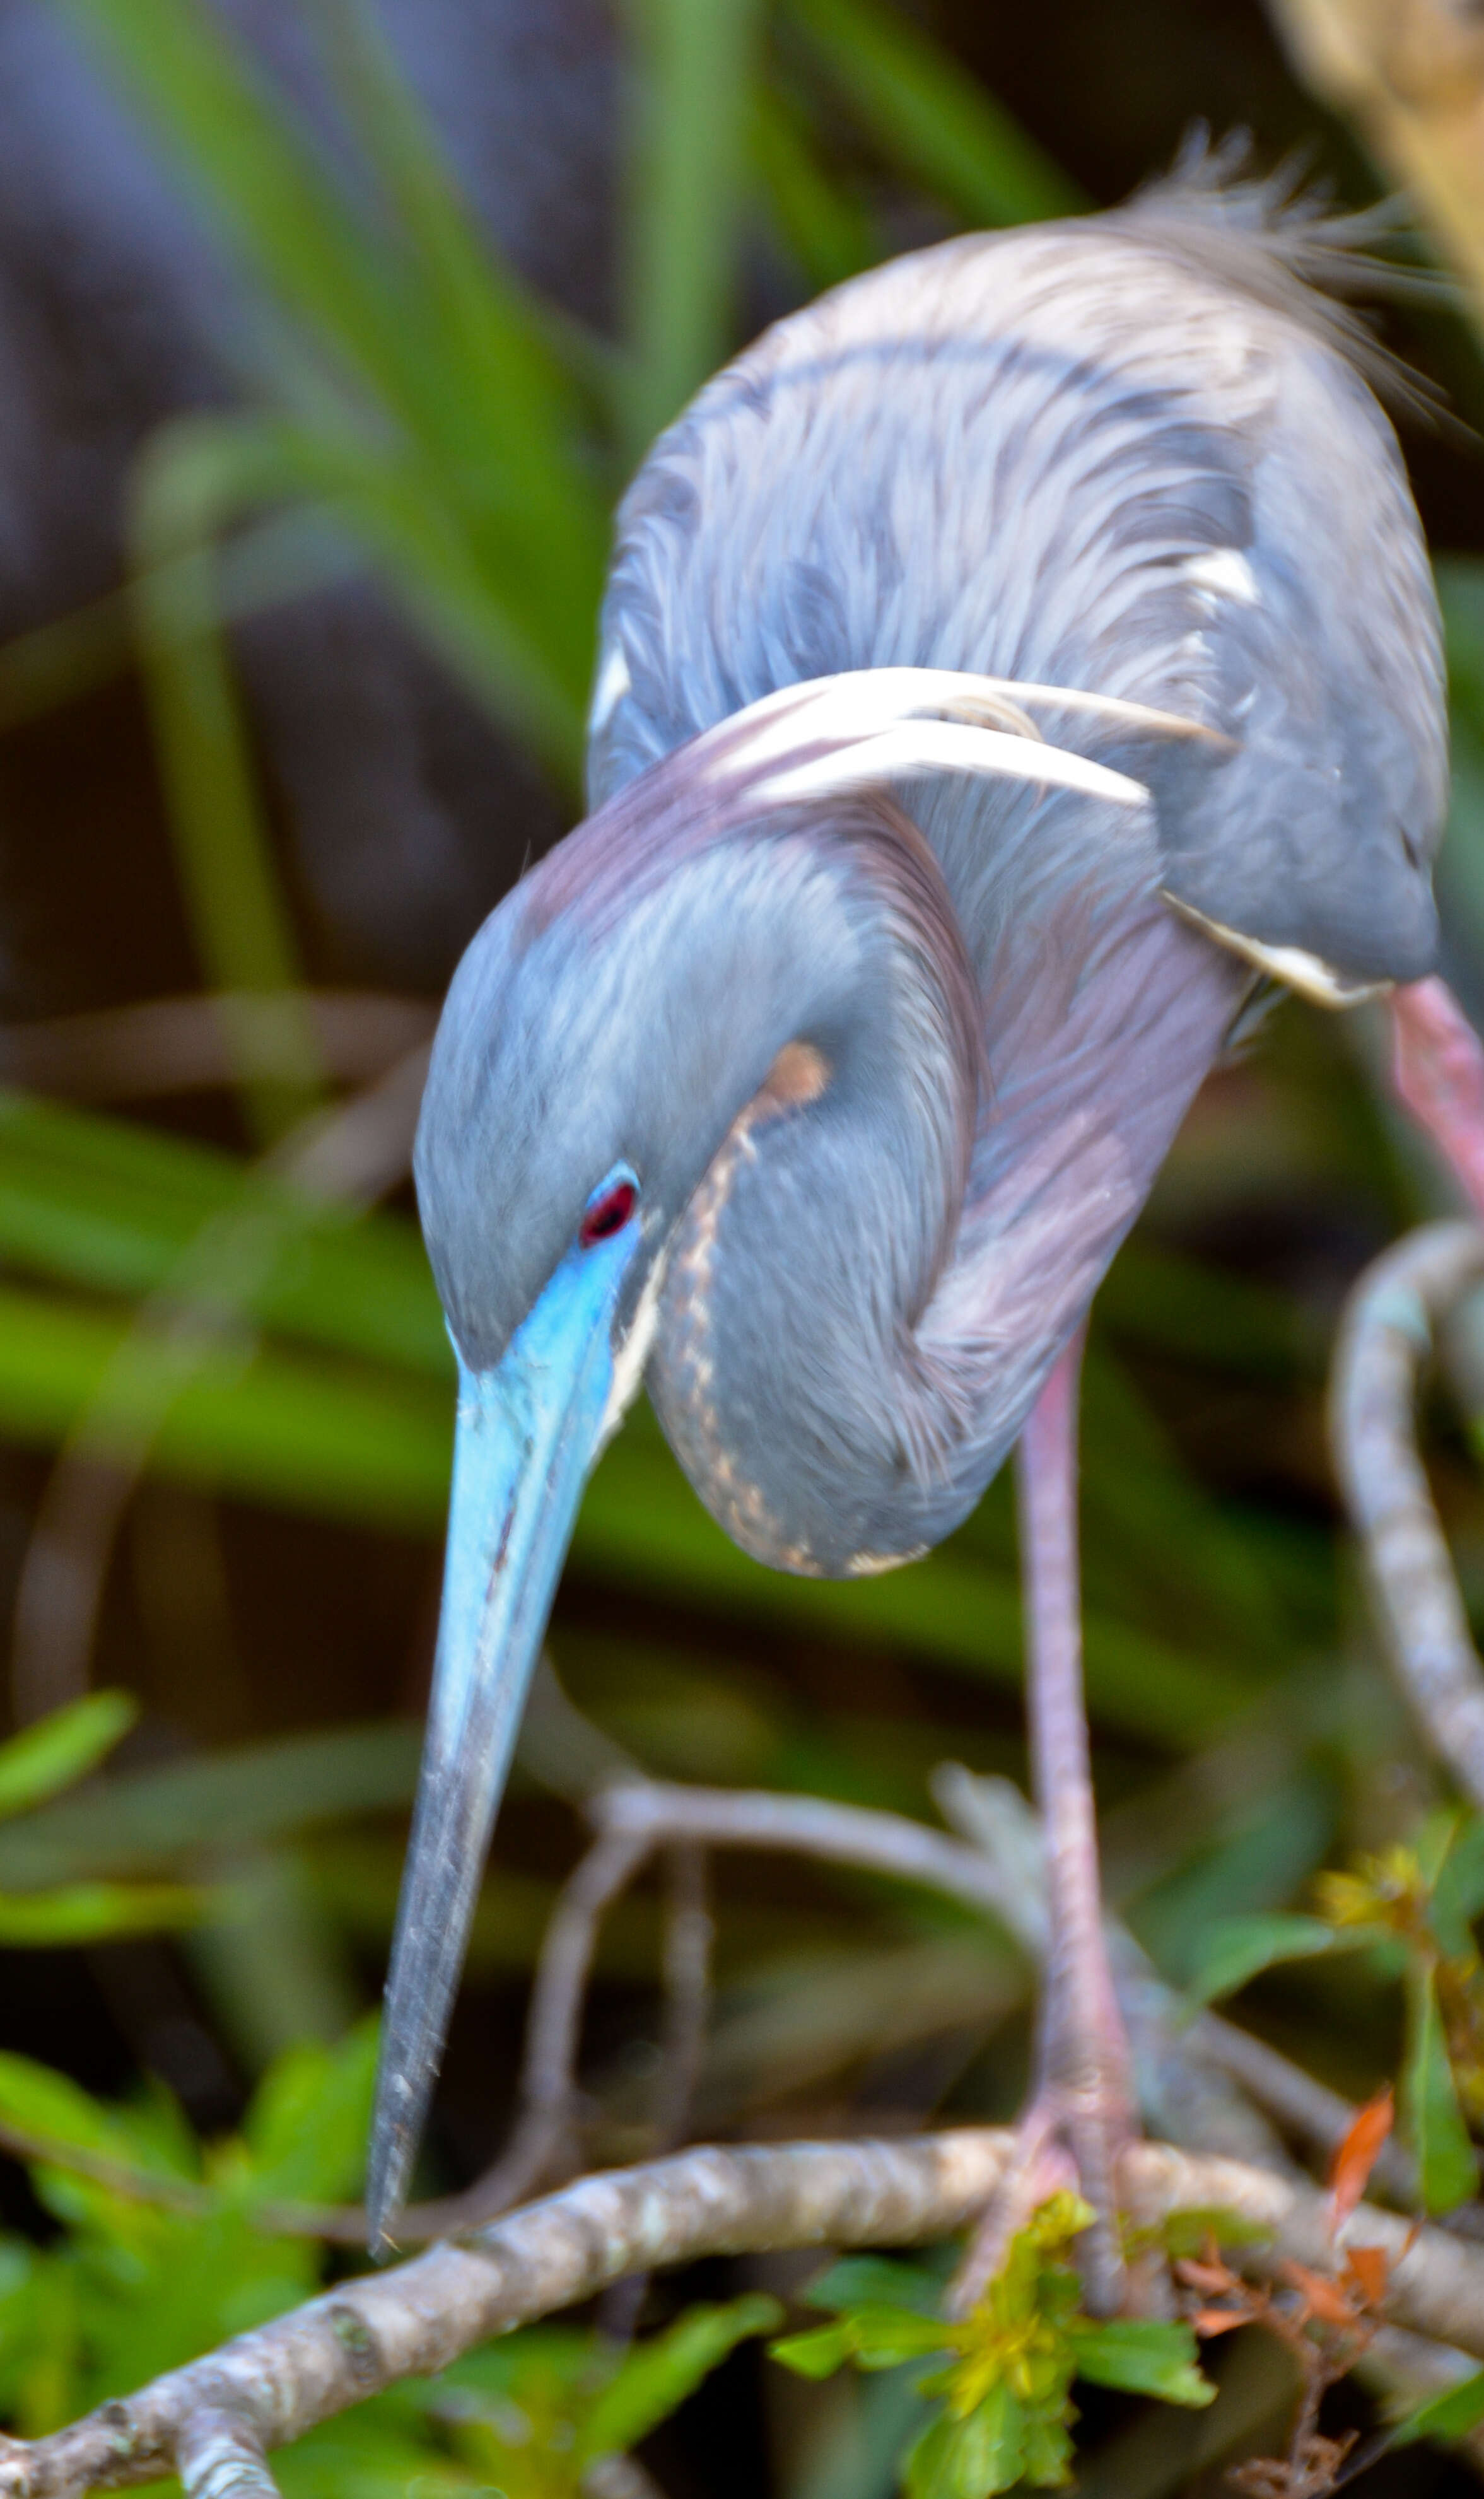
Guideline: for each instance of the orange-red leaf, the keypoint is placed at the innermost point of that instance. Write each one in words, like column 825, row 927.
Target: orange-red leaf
column 1366, row 2270
column 1358, row 2154
column 1325, row 2298
column 1217, row 2321
column 1205, row 2277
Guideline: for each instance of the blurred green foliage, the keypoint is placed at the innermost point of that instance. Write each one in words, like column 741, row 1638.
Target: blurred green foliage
column 417, row 416
column 169, row 2246
column 35, row 1766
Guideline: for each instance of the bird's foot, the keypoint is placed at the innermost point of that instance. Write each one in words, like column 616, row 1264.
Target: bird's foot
column 1069, row 2137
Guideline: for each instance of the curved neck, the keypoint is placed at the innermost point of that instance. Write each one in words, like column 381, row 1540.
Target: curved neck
column 850, row 1338
column 786, row 1368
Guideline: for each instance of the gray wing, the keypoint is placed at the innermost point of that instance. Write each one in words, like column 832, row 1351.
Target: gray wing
column 1324, row 635
column 1071, row 455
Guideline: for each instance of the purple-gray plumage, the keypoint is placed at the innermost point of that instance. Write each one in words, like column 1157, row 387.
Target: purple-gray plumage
column 853, row 1026
column 1127, row 455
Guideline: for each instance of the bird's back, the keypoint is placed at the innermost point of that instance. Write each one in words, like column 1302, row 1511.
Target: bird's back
column 1125, row 454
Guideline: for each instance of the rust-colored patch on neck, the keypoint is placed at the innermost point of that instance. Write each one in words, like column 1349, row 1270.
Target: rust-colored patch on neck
column 798, row 1075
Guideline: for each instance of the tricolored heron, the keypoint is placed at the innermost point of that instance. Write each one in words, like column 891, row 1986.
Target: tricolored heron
column 1006, row 662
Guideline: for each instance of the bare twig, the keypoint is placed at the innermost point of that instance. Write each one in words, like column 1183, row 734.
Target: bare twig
column 638, row 1816
column 117, row 2177
column 1384, row 1341
column 185, row 1044
column 548, row 2089
column 218, row 2456
column 661, row 1814
column 280, row 2380
column 1319, row 2118
column 633, row 1818
column 689, row 1934
column 359, row 1150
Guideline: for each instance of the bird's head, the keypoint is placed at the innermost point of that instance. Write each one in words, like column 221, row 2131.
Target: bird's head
column 730, row 1017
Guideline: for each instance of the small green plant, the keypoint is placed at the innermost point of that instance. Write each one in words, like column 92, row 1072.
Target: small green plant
column 1414, row 1909
column 1004, row 2373
column 167, row 2245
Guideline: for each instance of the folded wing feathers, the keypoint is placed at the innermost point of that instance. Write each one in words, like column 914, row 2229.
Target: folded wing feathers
column 871, row 726
column 875, row 724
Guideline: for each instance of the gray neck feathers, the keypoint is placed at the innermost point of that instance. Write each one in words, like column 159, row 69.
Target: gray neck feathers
column 785, row 1369
column 859, row 1308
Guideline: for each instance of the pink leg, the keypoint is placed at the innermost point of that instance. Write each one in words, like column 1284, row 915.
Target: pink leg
column 1082, row 2112
column 1083, row 2054
column 1437, row 1072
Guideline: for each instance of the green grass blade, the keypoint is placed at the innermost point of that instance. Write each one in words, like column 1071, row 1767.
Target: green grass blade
column 135, row 1821
column 223, row 846
column 281, row 557
column 929, row 119
column 497, row 365
column 319, row 1438
column 686, row 194
column 112, row 1207
column 829, row 233
column 62, row 1748
column 94, row 1913
column 641, row 1527
column 259, row 175
column 1174, row 1304
column 1445, row 2157
column 431, row 411
column 491, row 622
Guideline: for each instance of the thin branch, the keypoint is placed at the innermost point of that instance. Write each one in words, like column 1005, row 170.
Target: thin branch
column 1320, row 2118
column 277, row 2381
column 633, row 1818
column 689, row 1935
column 840, row 1834
column 187, row 1044
column 690, row 1932
column 1385, row 1338
column 218, row 2456
column 548, row 2089
column 999, row 1877
column 117, row 2177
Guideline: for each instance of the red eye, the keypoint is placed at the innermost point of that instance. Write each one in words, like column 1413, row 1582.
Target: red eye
column 607, row 1214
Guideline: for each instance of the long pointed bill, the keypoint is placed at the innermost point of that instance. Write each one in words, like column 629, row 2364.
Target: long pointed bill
column 528, row 1435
